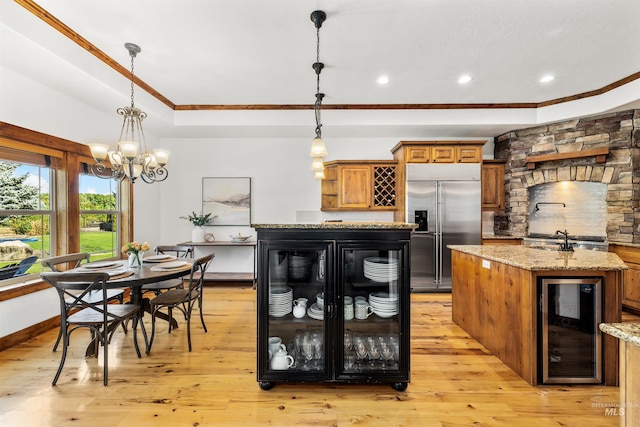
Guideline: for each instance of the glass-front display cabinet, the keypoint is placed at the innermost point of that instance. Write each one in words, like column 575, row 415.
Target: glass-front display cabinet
column 333, row 305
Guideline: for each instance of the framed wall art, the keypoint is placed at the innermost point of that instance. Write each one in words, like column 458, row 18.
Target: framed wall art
column 228, row 200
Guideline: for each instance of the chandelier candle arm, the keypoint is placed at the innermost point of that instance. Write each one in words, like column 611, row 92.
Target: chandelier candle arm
column 99, row 152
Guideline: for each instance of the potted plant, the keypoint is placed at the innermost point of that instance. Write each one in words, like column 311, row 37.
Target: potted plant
column 198, row 220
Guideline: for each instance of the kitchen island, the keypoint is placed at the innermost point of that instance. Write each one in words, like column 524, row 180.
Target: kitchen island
column 496, row 299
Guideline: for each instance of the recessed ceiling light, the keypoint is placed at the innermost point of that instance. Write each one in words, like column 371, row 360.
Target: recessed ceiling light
column 383, row 80
column 465, row 78
column 547, row 78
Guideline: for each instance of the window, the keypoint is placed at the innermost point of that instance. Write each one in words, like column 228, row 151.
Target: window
column 63, row 203
column 26, row 216
column 98, row 216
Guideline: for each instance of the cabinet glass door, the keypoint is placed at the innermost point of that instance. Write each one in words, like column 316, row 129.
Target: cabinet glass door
column 374, row 309
column 294, row 342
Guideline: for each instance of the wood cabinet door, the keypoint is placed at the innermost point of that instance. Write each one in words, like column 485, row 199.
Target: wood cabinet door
column 355, row 186
column 493, row 186
column 468, row 154
column 418, row 155
column 631, row 286
column 443, row 154
column 631, row 277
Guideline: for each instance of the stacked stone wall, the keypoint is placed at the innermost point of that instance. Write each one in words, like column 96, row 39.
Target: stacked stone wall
column 620, row 132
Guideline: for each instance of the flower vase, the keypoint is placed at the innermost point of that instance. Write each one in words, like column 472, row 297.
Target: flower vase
column 135, row 259
column 197, row 235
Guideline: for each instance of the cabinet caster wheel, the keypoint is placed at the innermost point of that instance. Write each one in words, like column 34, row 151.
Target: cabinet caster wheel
column 267, row 385
column 399, row 386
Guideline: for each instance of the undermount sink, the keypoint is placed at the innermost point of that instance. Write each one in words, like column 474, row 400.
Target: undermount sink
column 557, row 247
column 546, row 247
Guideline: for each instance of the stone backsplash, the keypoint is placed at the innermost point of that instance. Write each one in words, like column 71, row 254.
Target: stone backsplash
column 619, row 132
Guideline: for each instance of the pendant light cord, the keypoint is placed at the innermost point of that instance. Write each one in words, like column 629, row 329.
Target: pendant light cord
column 318, row 104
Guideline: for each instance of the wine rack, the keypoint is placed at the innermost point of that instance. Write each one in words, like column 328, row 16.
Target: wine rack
column 384, row 191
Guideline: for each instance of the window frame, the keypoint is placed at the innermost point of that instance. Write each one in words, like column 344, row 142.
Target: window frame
column 115, row 211
column 65, row 203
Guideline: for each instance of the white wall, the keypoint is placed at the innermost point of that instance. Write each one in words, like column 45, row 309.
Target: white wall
column 282, row 187
column 20, row 313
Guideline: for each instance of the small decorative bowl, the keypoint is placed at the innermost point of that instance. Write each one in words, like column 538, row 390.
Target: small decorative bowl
column 238, row 238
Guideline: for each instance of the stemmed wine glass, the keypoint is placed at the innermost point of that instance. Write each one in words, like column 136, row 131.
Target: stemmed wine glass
column 387, row 354
column 361, row 352
column 308, row 350
column 374, row 354
column 318, row 354
column 348, row 342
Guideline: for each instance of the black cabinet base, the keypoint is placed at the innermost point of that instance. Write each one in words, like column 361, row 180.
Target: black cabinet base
column 268, row 385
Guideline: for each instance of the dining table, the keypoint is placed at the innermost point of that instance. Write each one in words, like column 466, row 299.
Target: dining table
column 154, row 269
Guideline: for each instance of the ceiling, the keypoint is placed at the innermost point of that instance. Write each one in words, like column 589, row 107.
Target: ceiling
column 224, row 68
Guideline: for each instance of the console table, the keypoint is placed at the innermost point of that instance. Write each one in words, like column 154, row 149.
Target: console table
column 229, row 276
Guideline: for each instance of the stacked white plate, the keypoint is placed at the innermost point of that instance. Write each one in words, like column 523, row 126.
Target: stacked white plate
column 280, row 301
column 380, row 269
column 315, row 312
column 383, row 304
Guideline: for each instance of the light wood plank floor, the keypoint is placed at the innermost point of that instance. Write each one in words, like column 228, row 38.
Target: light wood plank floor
column 454, row 381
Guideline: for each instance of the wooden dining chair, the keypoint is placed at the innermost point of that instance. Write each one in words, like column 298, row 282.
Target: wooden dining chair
column 179, row 251
column 183, row 299
column 78, row 310
column 70, row 261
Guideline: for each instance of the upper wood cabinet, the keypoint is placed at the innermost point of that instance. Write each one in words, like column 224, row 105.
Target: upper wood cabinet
column 493, row 197
column 442, row 153
column 359, row 185
column 469, row 151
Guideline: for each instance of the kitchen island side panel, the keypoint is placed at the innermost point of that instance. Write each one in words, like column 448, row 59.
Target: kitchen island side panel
column 496, row 306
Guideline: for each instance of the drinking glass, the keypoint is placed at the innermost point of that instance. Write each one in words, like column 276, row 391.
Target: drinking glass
column 361, row 352
column 348, row 342
column 387, row 354
column 374, row 354
column 349, row 362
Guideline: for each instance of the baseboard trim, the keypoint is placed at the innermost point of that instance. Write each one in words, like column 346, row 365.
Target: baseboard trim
column 28, row 333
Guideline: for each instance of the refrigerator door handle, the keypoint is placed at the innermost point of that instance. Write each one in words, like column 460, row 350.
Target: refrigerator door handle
column 438, row 238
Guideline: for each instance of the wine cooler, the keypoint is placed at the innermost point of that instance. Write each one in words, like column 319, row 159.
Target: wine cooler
column 570, row 346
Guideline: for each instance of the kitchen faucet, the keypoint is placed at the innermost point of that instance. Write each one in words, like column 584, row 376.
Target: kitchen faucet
column 566, row 246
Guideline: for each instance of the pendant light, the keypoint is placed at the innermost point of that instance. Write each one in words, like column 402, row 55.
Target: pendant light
column 318, row 149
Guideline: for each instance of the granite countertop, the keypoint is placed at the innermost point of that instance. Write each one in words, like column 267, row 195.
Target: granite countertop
column 629, row 332
column 341, row 225
column 539, row 259
column 500, row 236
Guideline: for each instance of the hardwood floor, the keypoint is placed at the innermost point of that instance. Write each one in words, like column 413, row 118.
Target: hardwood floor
column 454, row 381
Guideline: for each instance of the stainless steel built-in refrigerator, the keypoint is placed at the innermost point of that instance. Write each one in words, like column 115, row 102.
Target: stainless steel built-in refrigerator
column 445, row 201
